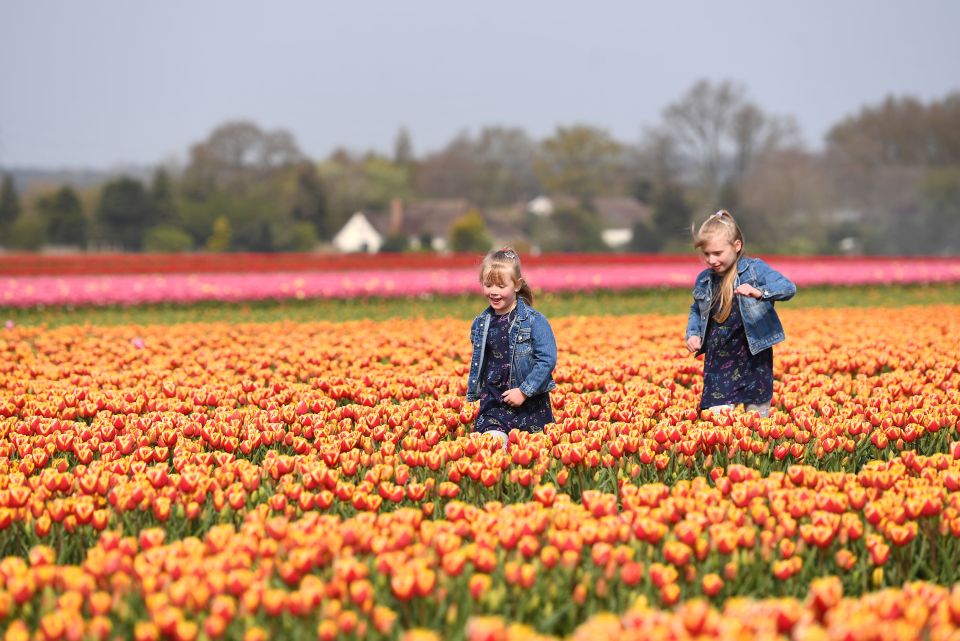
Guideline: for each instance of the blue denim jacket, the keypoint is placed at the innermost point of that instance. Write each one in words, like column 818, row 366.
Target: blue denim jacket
column 533, row 352
column 760, row 320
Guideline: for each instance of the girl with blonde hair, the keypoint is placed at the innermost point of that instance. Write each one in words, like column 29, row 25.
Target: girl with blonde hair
column 732, row 319
column 514, row 353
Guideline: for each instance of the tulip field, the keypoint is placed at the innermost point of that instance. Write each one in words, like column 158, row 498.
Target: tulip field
column 317, row 479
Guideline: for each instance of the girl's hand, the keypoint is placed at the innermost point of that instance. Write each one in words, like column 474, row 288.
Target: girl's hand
column 693, row 343
column 748, row 290
column 513, row 397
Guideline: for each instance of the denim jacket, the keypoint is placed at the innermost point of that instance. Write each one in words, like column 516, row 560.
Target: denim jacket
column 533, row 352
column 760, row 320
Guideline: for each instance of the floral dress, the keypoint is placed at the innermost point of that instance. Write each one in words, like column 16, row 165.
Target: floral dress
column 731, row 374
column 494, row 414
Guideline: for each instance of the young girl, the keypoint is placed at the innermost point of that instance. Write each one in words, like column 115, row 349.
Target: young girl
column 514, row 353
column 732, row 319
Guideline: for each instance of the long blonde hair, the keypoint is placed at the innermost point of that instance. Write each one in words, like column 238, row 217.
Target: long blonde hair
column 500, row 263
column 721, row 225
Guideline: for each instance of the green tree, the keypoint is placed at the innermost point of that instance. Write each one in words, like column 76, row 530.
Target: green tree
column 395, row 244
column 125, row 212
column 495, row 168
column 304, row 237
column 936, row 227
column 356, row 184
column 62, row 214
column 236, row 155
column 568, row 229
column 469, row 233
column 163, row 197
column 403, row 149
column 310, row 202
column 167, row 239
column 9, row 205
column 672, row 216
column 581, row 161
column 28, row 233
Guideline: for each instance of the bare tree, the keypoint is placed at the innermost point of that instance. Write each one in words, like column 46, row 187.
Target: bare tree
column 452, row 172
column 507, row 158
column 719, row 134
column 901, row 131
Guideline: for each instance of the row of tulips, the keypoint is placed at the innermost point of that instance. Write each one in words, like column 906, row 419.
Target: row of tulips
column 243, row 285
column 322, row 457
column 32, row 264
column 604, row 427
column 551, row 563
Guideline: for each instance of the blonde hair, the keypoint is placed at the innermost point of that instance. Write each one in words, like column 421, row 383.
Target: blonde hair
column 721, row 225
column 498, row 265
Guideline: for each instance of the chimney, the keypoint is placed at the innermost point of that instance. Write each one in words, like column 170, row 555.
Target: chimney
column 396, row 216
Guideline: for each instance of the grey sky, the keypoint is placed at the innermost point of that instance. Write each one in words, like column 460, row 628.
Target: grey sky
column 103, row 82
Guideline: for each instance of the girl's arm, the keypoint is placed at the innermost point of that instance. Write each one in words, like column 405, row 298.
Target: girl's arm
column 774, row 286
column 544, row 357
column 693, row 321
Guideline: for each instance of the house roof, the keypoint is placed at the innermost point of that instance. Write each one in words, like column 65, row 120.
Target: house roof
column 379, row 220
column 434, row 216
column 506, row 223
column 621, row 211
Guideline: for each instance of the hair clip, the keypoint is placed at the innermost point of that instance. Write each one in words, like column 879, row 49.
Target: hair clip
column 506, row 252
column 719, row 214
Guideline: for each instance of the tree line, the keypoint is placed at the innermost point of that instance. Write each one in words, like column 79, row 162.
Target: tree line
column 887, row 181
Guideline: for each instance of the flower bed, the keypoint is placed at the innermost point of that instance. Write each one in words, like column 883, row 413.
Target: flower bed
column 318, row 481
column 252, row 285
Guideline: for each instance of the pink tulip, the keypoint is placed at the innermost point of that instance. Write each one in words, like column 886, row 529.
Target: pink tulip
column 680, row 271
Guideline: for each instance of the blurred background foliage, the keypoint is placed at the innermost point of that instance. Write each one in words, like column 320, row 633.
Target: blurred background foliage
column 886, row 181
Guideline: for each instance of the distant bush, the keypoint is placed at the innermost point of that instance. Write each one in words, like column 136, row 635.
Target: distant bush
column 28, row 233
column 304, row 237
column 167, row 239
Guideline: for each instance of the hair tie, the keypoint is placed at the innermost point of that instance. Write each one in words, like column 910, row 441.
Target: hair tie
column 719, row 217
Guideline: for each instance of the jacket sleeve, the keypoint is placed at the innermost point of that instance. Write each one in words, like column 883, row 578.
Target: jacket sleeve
column 544, row 357
column 774, row 286
column 472, row 370
column 693, row 321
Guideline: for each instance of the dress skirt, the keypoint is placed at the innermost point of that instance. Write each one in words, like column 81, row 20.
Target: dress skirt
column 731, row 374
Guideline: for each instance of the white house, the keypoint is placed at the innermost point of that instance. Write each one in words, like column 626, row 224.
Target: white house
column 358, row 235
column 423, row 224
column 540, row 206
column 618, row 215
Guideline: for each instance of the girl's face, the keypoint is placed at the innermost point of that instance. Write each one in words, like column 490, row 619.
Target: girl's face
column 720, row 254
column 501, row 291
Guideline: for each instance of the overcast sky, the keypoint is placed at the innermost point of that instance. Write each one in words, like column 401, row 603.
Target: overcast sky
column 99, row 83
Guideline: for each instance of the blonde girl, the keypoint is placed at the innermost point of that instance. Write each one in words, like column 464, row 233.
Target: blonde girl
column 732, row 318
column 514, row 352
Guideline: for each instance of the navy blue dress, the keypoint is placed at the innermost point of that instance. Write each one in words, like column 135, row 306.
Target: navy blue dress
column 494, row 414
column 731, row 374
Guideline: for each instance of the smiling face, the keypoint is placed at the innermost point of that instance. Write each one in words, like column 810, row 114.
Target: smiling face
column 719, row 253
column 500, row 290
